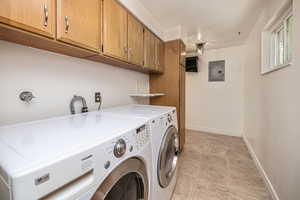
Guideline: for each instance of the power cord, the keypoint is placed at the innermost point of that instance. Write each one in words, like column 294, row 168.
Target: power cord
column 100, row 102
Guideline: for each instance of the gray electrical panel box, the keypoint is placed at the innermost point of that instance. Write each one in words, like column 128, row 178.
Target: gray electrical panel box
column 216, row 71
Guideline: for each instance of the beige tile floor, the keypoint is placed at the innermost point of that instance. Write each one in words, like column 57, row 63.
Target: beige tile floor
column 216, row 167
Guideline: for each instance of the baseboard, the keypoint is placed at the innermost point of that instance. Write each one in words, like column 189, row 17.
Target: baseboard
column 261, row 170
column 213, row 130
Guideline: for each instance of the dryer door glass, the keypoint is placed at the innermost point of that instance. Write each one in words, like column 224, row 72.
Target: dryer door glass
column 168, row 157
column 128, row 181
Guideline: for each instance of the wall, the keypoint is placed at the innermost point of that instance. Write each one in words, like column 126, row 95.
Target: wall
column 217, row 107
column 175, row 33
column 54, row 79
column 272, row 111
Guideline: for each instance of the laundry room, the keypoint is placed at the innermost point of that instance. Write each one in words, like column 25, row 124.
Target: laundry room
column 149, row 100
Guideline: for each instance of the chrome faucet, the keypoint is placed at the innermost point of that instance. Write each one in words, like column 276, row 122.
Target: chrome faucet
column 84, row 105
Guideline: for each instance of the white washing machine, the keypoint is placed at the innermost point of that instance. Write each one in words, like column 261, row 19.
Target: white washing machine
column 165, row 144
column 92, row 156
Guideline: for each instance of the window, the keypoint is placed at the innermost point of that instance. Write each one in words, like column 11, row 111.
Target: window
column 277, row 41
column 289, row 24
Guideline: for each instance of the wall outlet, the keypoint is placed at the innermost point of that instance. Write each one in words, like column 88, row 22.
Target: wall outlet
column 98, row 97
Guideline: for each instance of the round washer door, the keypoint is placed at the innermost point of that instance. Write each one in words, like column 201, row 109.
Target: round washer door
column 168, row 157
column 127, row 182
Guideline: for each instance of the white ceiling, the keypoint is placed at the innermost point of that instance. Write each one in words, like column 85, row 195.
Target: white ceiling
column 218, row 21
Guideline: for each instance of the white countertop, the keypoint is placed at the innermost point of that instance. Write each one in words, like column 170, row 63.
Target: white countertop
column 34, row 144
column 138, row 110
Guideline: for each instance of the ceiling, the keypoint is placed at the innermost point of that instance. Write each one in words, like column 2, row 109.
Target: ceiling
column 216, row 21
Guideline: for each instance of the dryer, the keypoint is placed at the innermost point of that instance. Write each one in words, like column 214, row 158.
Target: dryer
column 165, row 144
column 82, row 157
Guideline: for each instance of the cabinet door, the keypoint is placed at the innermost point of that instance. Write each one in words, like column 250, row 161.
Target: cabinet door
column 37, row 16
column 78, row 23
column 182, row 106
column 159, row 55
column 135, row 41
column 149, row 50
column 115, row 30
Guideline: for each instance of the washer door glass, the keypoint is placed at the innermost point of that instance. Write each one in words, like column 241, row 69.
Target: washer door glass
column 128, row 181
column 129, row 187
column 168, row 157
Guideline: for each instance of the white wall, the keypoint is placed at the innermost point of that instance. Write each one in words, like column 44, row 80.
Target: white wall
column 175, row 33
column 54, row 79
column 217, row 107
column 272, row 110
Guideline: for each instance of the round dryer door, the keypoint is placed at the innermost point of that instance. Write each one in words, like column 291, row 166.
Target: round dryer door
column 168, row 157
column 127, row 182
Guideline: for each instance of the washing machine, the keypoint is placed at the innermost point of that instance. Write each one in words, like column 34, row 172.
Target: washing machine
column 165, row 144
column 94, row 156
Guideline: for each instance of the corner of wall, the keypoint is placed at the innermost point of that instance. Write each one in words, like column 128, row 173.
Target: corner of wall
column 218, row 131
column 261, row 169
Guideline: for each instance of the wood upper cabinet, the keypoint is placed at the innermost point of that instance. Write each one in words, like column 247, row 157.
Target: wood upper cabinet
column 102, row 29
column 114, row 30
column 135, row 41
column 159, row 55
column 78, row 23
column 37, row 16
column 149, row 50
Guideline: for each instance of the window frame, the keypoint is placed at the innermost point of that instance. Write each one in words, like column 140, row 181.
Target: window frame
column 270, row 48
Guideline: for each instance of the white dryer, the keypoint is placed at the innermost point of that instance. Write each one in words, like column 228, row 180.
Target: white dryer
column 165, row 144
column 92, row 156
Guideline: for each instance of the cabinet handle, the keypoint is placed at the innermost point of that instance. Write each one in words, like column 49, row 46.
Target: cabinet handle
column 67, row 24
column 125, row 49
column 46, row 15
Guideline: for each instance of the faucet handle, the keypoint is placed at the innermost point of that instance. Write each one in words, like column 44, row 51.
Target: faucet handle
column 26, row 96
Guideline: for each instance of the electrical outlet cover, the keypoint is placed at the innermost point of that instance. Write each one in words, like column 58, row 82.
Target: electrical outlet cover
column 97, row 97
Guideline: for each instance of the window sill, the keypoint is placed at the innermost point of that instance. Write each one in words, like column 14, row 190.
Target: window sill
column 276, row 68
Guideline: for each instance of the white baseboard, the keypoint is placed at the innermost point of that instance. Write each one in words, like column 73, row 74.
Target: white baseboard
column 213, row 130
column 261, row 170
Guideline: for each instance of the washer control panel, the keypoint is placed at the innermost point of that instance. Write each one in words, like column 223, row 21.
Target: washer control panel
column 142, row 136
column 125, row 145
column 120, row 148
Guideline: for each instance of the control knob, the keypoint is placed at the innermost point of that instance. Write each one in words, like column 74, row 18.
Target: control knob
column 120, row 148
